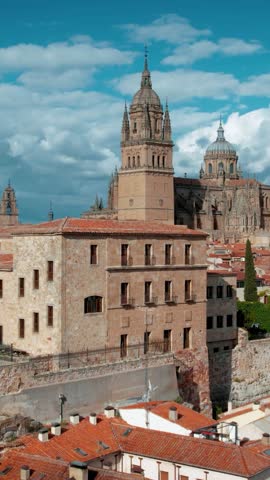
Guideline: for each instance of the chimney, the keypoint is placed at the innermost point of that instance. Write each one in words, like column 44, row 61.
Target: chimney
column 56, row 429
column 74, row 418
column 173, row 414
column 43, row 435
column 256, row 406
column 109, row 411
column 93, row 418
column 78, row 470
column 25, row 472
column 229, row 408
column 266, row 439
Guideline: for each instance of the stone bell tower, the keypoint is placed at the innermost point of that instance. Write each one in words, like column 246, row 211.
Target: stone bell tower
column 8, row 207
column 145, row 179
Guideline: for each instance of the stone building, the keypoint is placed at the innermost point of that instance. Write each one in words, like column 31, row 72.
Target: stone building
column 73, row 284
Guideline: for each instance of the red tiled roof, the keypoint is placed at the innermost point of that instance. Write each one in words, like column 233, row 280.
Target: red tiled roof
column 119, row 436
column 52, row 469
column 187, row 417
column 100, row 226
column 6, row 261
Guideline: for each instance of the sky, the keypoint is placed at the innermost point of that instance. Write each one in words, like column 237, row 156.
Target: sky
column 67, row 67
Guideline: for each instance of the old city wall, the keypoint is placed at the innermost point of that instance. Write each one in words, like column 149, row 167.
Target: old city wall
column 34, row 392
column 242, row 374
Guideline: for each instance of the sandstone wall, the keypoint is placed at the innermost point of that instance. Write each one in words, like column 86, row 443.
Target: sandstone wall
column 241, row 374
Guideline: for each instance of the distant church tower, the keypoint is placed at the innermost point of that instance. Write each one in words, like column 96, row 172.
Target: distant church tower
column 145, row 179
column 8, row 207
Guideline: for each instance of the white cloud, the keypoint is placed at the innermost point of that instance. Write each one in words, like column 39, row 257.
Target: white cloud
column 183, row 84
column 168, row 28
column 51, row 80
column 58, row 56
column 188, row 53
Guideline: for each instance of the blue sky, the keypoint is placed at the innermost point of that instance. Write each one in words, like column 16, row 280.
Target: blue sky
column 66, row 68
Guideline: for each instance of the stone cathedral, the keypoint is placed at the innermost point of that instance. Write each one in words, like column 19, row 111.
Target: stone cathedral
column 221, row 202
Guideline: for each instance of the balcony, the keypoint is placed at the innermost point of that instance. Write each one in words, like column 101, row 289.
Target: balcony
column 127, row 301
column 169, row 260
column 149, row 260
column 189, row 260
column 190, row 298
column 173, row 299
column 151, row 300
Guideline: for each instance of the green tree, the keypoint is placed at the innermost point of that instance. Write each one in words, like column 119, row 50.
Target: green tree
column 250, row 291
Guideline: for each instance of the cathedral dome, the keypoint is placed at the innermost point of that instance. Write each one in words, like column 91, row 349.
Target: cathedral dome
column 146, row 95
column 221, row 145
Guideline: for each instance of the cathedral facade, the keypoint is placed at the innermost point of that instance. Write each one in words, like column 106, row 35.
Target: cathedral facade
column 220, row 201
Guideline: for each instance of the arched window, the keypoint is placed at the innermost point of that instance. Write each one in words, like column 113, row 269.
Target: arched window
column 138, row 161
column 93, row 304
column 133, row 162
column 210, row 168
column 135, row 127
column 231, row 167
column 220, row 166
column 128, row 162
column 163, row 161
column 158, row 158
column 153, row 160
column 156, row 125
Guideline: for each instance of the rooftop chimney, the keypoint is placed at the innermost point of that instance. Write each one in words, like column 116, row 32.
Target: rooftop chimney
column 25, row 472
column 78, row 470
column 74, row 418
column 173, row 414
column 56, row 429
column 43, row 435
column 93, row 418
column 256, row 406
column 109, row 411
column 266, row 439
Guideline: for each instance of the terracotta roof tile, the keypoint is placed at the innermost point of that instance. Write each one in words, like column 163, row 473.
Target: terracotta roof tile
column 52, row 469
column 99, row 226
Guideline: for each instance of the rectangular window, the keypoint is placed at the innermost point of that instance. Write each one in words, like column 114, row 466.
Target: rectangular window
column 93, row 254
column 21, row 328
column 187, row 254
column 124, row 254
column 147, row 292
column 168, row 254
column 209, row 323
column 167, row 340
column 220, row 291
column 209, row 292
column 219, row 321
column 36, row 322
column 93, row 304
column 164, row 475
column 226, row 347
column 188, row 290
column 187, row 337
column 229, row 320
column 147, row 254
column 124, row 293
column 21, row 287
column 1, row 288
column 36, row 279
column 168, row 290
column 50, row 316
column 229, row 291
column 123, row 345
column 50, row 271
column 184, row 477
column 146, row 340
column 215, row 349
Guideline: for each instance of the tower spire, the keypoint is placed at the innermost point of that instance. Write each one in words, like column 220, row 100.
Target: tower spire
column 125, row 125
column 167, row 131
column 146, row 76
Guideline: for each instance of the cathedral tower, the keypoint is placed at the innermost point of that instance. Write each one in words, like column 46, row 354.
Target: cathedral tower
column 8, row 207
column 145, row 179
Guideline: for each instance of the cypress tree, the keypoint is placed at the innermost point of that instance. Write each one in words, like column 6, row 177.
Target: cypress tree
column 250, row 291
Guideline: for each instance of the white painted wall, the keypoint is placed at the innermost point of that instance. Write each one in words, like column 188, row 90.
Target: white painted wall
column 137, row 418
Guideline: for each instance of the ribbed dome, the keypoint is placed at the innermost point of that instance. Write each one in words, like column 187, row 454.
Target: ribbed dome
column 146, row 96
column 221, row 145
